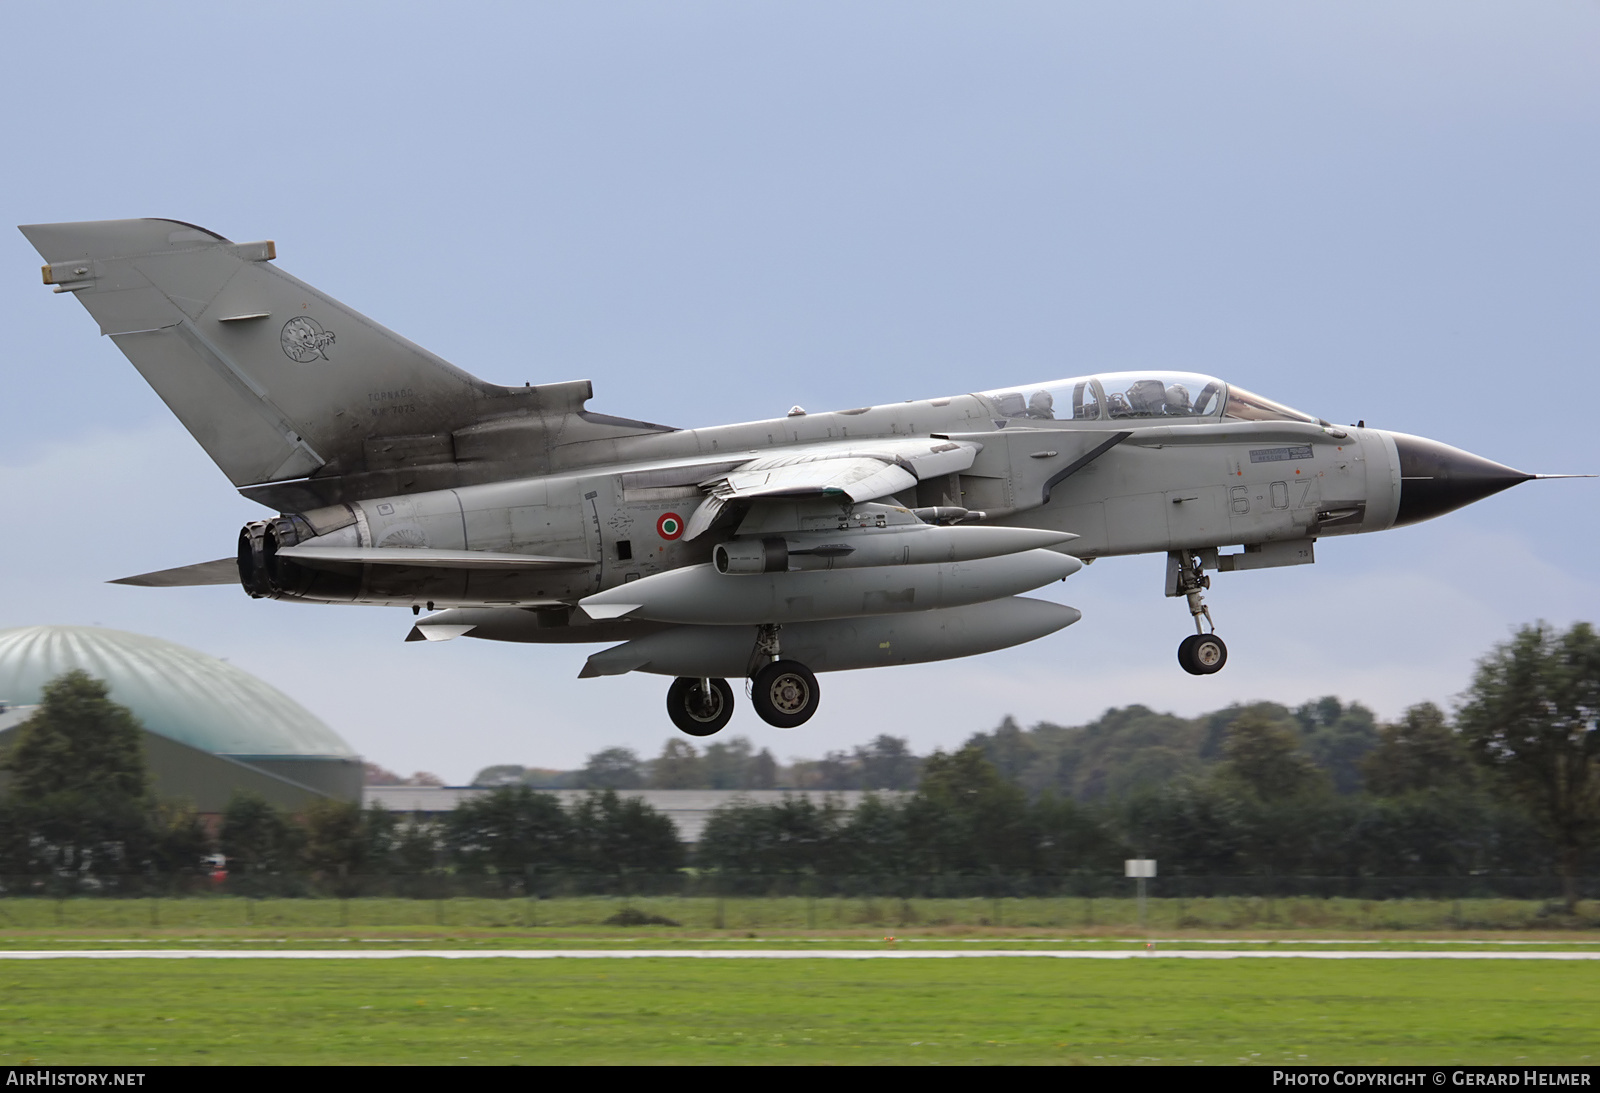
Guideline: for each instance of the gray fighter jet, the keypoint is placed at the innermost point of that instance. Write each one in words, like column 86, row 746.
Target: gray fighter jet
column 770, row 550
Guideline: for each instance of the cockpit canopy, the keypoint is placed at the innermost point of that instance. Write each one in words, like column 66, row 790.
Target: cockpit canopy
column 1113, row 396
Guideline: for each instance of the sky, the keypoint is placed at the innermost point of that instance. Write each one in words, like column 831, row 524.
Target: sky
column 714, row 211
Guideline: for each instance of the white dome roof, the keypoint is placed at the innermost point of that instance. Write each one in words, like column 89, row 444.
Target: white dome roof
column 190, row 697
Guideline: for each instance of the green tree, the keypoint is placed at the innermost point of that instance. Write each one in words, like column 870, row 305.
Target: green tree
column 875, row 840
column 417, row 847
column 508, row 830
column 965, row 818
column 1338, row 738
column 888, row 763
column 344, row 841
column 793, row 836
column 1122, row 753
column 624, row 835
column 502, row 774
column 1419, row 752
column 79, row 742
column 260, row 841
column 79, row 790
column 1072, row 838
column 1195, row 825
column 678, row 767
column 1265, row 757
column 836, row 770
column 180, row 844
column 762, row 772
column 1009, row 748
column 1532, row 715
column 726, row 763
column 612, row 768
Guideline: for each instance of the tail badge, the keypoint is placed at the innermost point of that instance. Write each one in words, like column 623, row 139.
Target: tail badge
column 304, row 340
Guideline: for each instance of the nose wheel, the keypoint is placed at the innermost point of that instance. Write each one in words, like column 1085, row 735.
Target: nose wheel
column 700, row 707
column 1201, row 653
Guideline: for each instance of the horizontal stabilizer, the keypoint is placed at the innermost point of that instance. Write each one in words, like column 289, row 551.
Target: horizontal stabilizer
column 321, row 557
column 221, row 571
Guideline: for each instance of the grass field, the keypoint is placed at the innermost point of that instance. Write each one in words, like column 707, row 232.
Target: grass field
column 1223, row 913
column 657, row 1011
column 671, row 1010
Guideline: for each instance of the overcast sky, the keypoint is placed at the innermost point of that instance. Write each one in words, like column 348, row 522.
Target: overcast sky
column 714, row 211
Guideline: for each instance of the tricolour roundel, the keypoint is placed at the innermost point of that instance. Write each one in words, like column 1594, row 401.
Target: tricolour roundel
column 670, row 526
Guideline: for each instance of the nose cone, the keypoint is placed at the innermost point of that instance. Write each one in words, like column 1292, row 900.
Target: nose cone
column 1436, row 478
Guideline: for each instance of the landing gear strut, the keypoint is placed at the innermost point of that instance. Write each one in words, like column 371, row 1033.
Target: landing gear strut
column 700, row 707
column 1200, row 653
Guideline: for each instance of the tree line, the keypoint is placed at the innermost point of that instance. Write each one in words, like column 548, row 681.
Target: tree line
column 886, row 763
column 1509, row 786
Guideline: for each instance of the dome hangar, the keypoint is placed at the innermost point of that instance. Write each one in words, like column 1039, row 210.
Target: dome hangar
column 210, row 729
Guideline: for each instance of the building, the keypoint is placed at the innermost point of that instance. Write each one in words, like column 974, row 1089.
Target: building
column 688, row 809
column 211, row 730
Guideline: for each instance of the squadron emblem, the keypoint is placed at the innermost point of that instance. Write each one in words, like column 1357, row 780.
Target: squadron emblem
column 304, row 340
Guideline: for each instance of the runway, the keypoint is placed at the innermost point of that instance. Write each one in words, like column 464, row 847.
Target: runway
column 770, row 954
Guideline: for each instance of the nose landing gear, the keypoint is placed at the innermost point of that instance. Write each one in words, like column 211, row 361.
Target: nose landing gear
column 1201, row 653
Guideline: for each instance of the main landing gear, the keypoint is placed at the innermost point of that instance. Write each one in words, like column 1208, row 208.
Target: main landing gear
column 700, row 707
column 1200, row 653
column 784, row 692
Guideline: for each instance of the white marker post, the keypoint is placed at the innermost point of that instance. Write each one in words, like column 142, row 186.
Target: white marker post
column 1141, row 868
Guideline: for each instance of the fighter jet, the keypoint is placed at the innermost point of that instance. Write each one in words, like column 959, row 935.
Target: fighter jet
column 769, row 550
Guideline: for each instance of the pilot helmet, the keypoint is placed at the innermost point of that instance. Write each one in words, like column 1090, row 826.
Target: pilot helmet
column 1178, row 399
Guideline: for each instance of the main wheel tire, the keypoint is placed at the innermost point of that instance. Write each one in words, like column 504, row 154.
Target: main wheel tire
column 785, row 694
column 696, row 711
column 1209, row 654
column 1186, row 655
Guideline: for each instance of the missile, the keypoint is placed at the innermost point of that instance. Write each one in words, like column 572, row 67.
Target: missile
column 834, row 645
column 918, row 544
column 699, row 594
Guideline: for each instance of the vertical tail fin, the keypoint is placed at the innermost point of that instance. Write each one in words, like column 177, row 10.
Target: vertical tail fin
column 274, row 379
